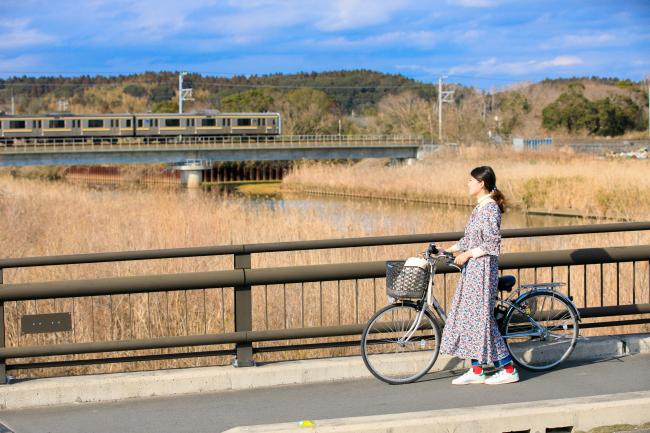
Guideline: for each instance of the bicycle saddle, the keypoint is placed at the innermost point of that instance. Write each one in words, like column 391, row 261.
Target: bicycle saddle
column 506, row 283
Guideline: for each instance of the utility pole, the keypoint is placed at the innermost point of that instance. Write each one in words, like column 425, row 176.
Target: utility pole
column 13, row 104
column 648, row 81
column 183, row 94
column 62, row 105
column 442, row 97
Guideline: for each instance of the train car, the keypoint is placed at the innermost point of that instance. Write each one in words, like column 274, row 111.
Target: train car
column 59, row 125
column 65, row 125
column 157, row 124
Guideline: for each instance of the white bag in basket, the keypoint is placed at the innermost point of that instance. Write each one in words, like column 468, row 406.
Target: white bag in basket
column 417, row 261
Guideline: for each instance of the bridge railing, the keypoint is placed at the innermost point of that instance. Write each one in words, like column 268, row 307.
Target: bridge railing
column 95, row 144
column 243, row 278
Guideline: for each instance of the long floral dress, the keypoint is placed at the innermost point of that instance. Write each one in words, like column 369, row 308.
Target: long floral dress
column 471, row 331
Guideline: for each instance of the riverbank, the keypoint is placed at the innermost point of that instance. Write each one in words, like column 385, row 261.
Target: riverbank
column 557, row 182
column 434, row 200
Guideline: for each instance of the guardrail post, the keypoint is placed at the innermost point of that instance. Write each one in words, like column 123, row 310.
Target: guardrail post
column 243, row 314
column 3, row 366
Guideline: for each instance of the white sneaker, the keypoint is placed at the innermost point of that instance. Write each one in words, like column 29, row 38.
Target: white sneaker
column 469, row 377
column 503, row 376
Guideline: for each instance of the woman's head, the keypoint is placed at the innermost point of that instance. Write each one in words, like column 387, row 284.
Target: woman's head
column 484, row 181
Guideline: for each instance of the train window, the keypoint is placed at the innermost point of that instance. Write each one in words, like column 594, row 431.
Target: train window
column 155, row 122
column 261, row 122
column 243, row 122
column 139, row 123
column 16, row 124
column 57, row 124
column 172, row 122
column 95, row 123
column 128, row 123
column 208, row 122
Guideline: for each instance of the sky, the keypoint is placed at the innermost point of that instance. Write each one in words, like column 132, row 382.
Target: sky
column 484, row 43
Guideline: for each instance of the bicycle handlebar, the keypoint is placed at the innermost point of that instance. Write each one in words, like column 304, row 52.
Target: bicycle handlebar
column 447, row 257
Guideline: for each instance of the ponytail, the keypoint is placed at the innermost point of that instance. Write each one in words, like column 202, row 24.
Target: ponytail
column 498, row 197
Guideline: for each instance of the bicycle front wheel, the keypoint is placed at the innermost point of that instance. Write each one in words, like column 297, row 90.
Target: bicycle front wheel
column 541, row 330
column 400, row 343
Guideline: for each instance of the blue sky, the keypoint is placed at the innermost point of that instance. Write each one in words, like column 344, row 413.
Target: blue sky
column 477, row 42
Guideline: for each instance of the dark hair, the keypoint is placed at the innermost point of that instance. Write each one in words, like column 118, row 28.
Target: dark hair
column 486, row 175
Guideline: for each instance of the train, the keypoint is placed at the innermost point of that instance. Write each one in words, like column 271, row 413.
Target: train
column 115, row 126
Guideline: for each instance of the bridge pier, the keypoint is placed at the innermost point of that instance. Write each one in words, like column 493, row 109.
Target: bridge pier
column 192, row 172
column 191, row 178
column 403, row 161
column 426, row 150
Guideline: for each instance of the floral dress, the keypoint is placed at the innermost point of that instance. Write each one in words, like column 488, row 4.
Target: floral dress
column 471, row 331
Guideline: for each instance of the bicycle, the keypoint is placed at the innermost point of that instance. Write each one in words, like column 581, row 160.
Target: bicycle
column 401, row 341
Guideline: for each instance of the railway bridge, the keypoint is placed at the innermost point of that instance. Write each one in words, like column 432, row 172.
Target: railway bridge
column 192, row 155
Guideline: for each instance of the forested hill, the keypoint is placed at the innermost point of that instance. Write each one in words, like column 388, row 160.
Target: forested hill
column 351, row 90
column 357, row 101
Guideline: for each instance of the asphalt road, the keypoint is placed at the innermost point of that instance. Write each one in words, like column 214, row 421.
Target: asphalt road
column 213, row 413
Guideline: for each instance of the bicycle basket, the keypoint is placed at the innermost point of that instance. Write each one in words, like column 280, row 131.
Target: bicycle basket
column 408, row 279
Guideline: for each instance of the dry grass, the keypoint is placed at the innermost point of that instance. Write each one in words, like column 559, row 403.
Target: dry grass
column 45, row 218
column 542, row 180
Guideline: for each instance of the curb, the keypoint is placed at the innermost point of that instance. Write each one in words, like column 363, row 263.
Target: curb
column 166, row 383
column 563, row 414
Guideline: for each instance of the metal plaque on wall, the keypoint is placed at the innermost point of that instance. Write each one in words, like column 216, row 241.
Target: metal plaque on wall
column 37, row 323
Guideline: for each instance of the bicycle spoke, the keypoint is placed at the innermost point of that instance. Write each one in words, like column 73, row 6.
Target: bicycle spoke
column 387, row 352
column 542, row 332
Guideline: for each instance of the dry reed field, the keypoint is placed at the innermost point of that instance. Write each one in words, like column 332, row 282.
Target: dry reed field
column 545, row 180
column 50, row 218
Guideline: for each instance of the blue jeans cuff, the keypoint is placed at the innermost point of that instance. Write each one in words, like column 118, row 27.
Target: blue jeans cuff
column 505, row 361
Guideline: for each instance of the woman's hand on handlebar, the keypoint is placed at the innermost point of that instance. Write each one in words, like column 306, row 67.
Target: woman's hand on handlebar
column 462, row 258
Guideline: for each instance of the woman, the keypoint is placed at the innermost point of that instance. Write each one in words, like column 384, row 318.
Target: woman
column 471, row 331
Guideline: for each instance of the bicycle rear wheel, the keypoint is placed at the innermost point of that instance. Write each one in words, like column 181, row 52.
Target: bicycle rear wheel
column 397, row 347
column 541, row 331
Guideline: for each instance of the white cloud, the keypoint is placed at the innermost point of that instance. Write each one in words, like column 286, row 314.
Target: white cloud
column 581, row 40
column 19, row 65
column 419, row 39
column 353, row 14
column 17, row 34
column 560, row 61
column 240, row 22
column 589, row 40
column 492, row 66
column 145, row 20
column 475, row 3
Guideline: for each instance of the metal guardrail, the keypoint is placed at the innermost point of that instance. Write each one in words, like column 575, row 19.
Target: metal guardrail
column 243, row 278
column 90, row 144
